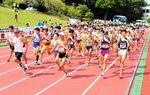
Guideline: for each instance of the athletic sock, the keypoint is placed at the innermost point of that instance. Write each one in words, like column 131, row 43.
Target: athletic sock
column 37, row 58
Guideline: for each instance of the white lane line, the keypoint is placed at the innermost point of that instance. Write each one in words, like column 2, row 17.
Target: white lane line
column 89, row 87
column 61, row 78
column 8, row 54
column 3, row 88
column 26, row 78
column 19, row 67
column 8, row 62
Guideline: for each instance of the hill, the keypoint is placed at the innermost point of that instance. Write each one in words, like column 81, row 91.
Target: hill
column 7, row 17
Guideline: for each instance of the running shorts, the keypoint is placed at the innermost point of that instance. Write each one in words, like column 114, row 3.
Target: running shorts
column 18, row 55
column 11, row 47
column 89, row 47
column 36, row 44
column 104, row 52
column 122, row 52
column 62, row 55
column 46, row 47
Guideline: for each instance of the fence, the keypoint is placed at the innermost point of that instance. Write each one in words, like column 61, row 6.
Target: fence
column 28, row 31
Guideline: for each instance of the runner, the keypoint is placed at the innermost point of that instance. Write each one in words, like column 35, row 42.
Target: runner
column 104, row 51
column 136, row 38
column 123, row 45
column 25, row 47
column 54, row 42
column 61, row 56
column 36, row 44
column 71, row 44
column 18, row 43
column 46, row 42
column 89, row 46
column 9, row 39
column 83, row 39
column 96, row 36
column 78, row 38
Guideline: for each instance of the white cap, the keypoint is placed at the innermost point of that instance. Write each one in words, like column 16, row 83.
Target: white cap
column 89, row 30
column 20, row 29
column 61, row 33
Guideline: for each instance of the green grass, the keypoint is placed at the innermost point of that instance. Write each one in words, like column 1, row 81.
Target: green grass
column 32, row 17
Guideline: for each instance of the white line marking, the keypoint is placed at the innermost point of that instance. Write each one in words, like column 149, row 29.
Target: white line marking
column 8, row 54
column 135, row 69
column 61, row 78
column 19, row 67
column 8, row 62
column 98, row 78
column 3, row 88
column 26, row 78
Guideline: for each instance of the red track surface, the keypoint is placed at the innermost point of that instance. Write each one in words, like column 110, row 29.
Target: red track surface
column 45, row 78
column 146, row 80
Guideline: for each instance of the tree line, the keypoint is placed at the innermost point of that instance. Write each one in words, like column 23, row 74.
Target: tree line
column 103, row 9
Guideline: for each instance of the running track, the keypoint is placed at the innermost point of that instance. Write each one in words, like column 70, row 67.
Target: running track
column 46, row 80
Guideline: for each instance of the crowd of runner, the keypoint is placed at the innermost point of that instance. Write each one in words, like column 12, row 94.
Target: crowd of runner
column 87, row 39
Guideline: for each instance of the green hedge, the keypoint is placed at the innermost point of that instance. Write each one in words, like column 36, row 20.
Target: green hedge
column 87, row 19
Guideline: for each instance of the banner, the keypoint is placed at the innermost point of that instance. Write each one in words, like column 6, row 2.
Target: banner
column 28, row 31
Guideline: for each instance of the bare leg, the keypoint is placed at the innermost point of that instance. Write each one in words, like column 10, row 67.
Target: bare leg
column 10, row 55
column 62, row 66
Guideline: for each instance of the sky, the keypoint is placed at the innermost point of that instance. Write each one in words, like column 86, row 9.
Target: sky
column 148, row 1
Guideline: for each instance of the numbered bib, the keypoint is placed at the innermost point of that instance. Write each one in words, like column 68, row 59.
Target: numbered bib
column 105, row 46
column 61, row 49
column 122, row 45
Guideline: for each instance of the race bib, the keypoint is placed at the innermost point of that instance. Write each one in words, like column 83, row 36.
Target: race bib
column 89, row 44
column 61, row 49
column 105, row 46
column 122, row 45
column 71, row 43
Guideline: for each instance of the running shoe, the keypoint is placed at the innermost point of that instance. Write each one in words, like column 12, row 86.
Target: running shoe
column 65, row 75
column 26, row 65
column 36, row 63
column 82, row 54
column 87, row 64
column 25, row 70
column 120, row 75
column 39, row 63
column 8, row 60
column 21, row 66
column 99, row 66
column 102, row 74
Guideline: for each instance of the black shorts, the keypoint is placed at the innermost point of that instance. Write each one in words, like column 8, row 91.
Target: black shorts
column 11, row 47
column 78, row 41
column 71, row 46
column 96, row 44
column 89, row 47
column 62, row 55
column 18, row 55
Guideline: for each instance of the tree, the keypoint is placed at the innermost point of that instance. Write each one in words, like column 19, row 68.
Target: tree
column 130, row 8
column 1, row 1
column 82, row 9
column 73, row 12
column 55, row 5
column 8, row 2
column 89, row 14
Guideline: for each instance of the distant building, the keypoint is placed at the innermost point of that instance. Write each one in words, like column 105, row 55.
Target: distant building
column 146, row 12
